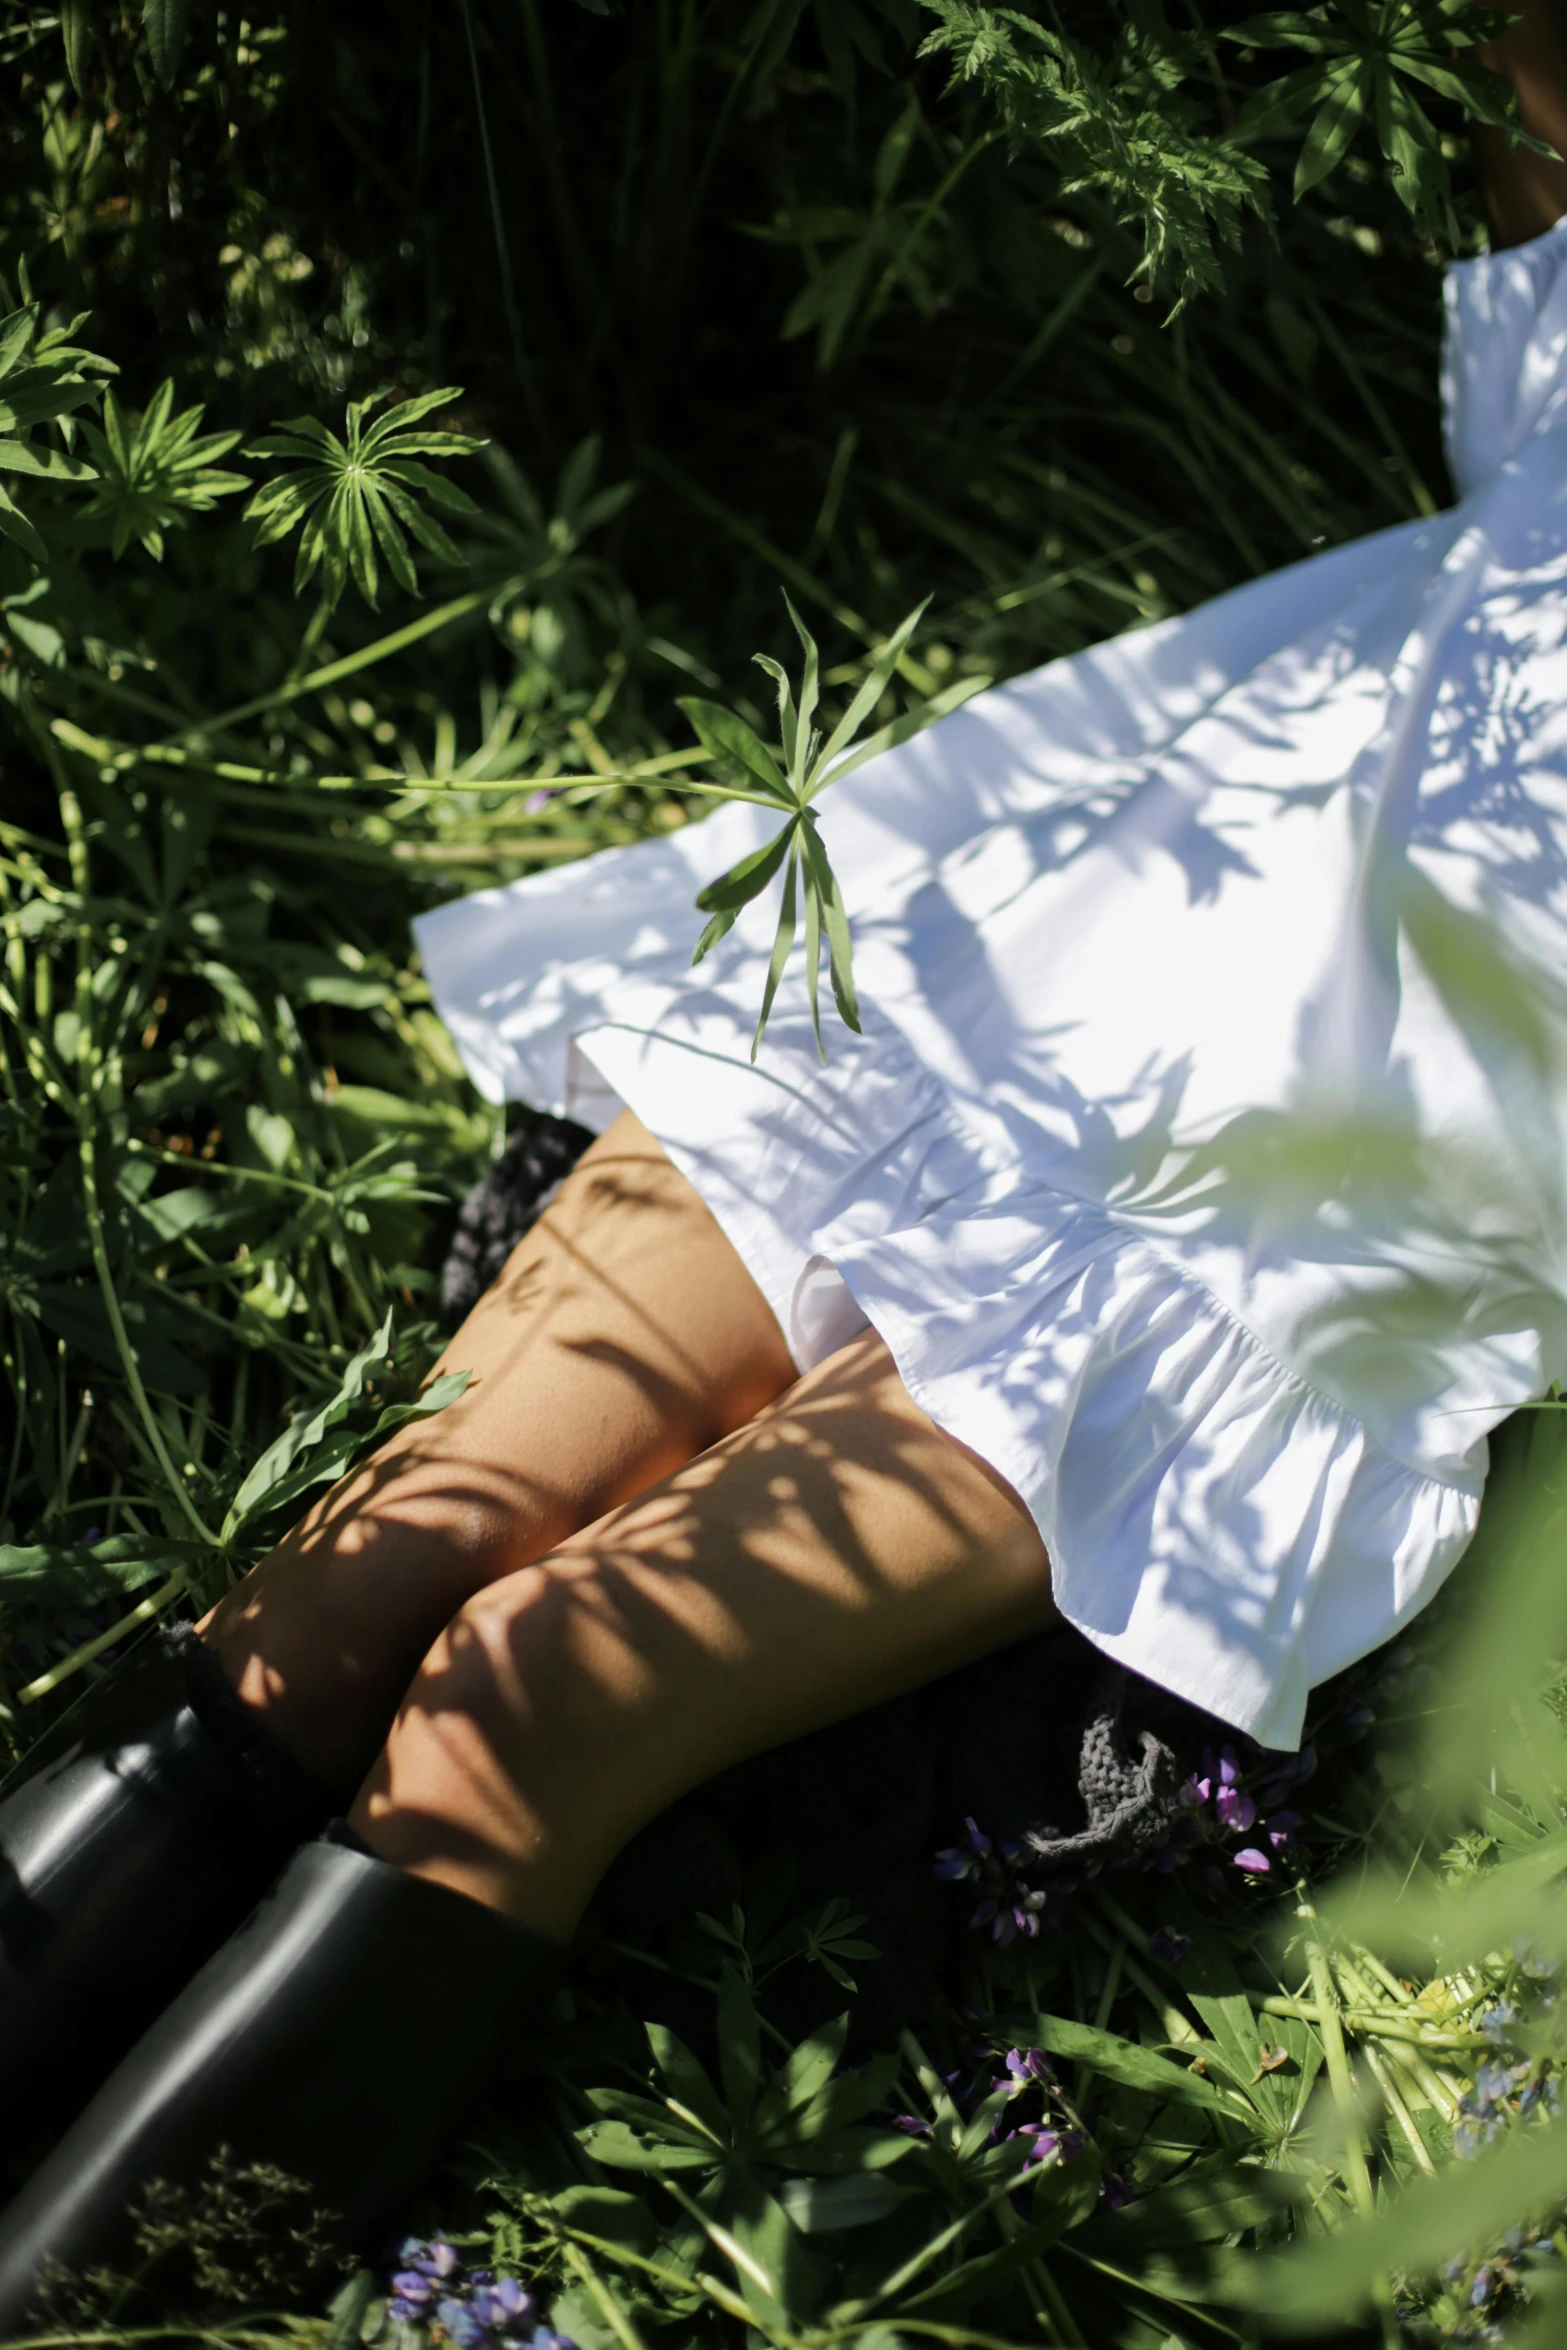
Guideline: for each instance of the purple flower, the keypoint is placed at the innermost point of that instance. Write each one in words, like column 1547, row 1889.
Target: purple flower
column 404, row 2313
column 1495, row 2020
column 1115, row 2192
column 952, row 1864
column 1255, row 1863
column 436, row 2259
column 536, row 802
column 547, row 2339
column 1229, row 1768
column 979, row 1842
column 462, row 2324
column 1047, row 2142
column 1236, row 1811
column 911, row 2125
column 502, row 2303
column 1167, row 1946
column 410, row 2285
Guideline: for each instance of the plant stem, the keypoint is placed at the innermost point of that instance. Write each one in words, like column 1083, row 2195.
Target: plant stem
column 142, row 1613
column 1356, row 2169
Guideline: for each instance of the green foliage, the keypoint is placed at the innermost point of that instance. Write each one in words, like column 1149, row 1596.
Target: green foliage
column 850, row 296
column 798, row 851
column 44, row 379
column 1124, row 125
column 351, row 498
column 156, row 473
column 1128, row 124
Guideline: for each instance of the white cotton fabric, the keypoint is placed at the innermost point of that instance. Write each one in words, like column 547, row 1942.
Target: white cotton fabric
column 1141, row 940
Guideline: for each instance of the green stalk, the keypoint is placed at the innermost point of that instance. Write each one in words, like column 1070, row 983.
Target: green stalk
column 348, row 666
column 85, row 1099
column 143, row 1613
column 1330, row 2026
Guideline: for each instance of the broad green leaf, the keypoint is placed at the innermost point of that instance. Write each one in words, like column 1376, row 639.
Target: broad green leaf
column 725, row 735
column 77, row 27
column 739, row 2045
column 822, row 2206
column 620, row 2148
column 306, row 1431
column 166, row 23
column 1124, row 2061
column 734, row 890
column 804, row 2072
column 686, row 2080
column 1349, row 91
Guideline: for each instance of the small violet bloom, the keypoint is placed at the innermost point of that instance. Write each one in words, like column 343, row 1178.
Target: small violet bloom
column 1255, row 1863
column 503, row 2303
column 1236, row 1811
column 1167, row 1946
column 462, row 2324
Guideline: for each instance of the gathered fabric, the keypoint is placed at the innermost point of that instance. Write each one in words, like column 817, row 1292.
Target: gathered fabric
column 1201, row 1162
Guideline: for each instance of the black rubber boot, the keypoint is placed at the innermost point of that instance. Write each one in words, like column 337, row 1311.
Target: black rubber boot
column 133, row 1840
column 339, row 2035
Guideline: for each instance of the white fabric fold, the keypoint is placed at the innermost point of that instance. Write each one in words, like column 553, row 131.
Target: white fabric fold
column 1203, row 1160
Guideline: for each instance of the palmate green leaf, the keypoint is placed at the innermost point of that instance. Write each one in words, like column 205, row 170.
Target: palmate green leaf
column 156, row 472
column 355, row 500
column 812, row 766
column 1349, row 91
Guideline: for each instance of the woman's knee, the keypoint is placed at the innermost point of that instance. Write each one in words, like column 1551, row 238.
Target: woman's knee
column 521, row 1759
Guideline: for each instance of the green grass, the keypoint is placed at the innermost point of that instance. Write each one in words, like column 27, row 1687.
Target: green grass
column 743, row 298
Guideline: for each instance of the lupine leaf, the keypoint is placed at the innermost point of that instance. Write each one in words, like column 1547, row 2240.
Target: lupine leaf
column 166, row 23
column 77, row 28
column 723, row 733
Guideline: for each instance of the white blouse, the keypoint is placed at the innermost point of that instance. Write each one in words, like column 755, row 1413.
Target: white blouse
column 1202, row 1160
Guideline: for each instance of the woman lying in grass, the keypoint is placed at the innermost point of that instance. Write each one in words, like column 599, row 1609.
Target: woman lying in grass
column 1158, row 1255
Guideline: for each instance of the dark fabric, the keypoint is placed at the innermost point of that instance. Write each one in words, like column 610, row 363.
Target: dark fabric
column 1045, row 1744
column 284, row 1797
column 504, row 1205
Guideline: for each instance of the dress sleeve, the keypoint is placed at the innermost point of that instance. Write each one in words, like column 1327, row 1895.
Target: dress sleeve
column 1504, row 362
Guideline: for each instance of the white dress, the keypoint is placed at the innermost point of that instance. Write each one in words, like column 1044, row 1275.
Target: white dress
column 1130, row 932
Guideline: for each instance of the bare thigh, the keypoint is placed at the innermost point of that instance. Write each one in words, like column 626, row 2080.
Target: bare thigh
column 624, row 1336
column 837, row 1549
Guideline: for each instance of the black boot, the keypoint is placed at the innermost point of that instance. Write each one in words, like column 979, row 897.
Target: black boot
column 338, row 2036
column 133, row 1840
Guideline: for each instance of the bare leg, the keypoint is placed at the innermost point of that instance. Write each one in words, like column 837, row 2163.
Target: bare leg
column 1525, row 192
column 836, row 1550
column 624, row 1336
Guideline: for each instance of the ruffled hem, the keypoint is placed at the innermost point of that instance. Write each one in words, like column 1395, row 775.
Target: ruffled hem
column 1213, row 1522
